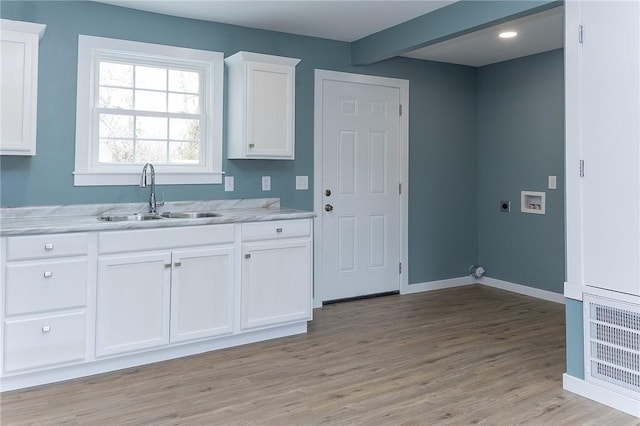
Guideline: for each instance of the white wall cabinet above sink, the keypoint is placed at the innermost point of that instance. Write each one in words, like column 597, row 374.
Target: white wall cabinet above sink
column 261, row 106
column 19, row 86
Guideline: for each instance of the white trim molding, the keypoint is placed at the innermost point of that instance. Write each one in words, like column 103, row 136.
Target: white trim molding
column 577, row 291
column 403, row 86
column 523, row 289
column 609, row 398
column 437, row 285
column 210, row 65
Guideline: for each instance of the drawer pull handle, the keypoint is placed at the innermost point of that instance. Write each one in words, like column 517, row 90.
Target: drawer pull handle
column 167, row 265
column 48, row 274
column 247, row 256
column 278, row 230
column 177, row 264
column 48, row 246
column 252, row 145
column 46, row 328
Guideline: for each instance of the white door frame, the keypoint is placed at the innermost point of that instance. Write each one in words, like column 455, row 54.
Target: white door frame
column 403, row 168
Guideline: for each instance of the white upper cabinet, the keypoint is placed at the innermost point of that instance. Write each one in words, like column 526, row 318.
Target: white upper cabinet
column 19, row 86
column 602, row 144
column 261, row 108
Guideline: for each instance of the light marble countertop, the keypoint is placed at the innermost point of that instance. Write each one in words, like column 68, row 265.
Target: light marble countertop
column 84, row 217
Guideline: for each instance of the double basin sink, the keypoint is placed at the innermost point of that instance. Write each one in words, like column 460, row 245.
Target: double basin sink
column 137, row 217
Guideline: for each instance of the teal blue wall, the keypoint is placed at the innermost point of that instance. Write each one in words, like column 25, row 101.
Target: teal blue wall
column 520, row 144
column 575, row 338
column 442, row 126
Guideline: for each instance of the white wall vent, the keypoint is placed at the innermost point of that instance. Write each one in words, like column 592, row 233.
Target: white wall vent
column 612, row 344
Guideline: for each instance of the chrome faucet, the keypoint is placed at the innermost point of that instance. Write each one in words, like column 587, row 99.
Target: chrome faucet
column 143, row 184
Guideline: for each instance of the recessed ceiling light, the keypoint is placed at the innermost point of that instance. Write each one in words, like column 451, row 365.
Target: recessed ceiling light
column 508, row 34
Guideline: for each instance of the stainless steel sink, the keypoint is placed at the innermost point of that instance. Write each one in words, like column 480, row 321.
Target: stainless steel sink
column 189, row 215
column 135, row 217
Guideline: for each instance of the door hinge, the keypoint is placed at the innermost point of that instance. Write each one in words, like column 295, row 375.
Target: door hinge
column 400, row 108
column 581, row 168
column 580, row 34
column 400, row 267
column 400, row 188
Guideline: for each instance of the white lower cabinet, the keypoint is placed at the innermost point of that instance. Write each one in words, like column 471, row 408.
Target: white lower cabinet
column 44, row 340
column 152, row 299
column 276, row 273
column 201, row 293
column 86, row 303
column 133, row 302
column 44, row 297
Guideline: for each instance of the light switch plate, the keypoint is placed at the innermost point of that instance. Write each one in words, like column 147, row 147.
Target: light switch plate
column 552, row 182
column 228, row 183
column 266, row 183
column 302, row 182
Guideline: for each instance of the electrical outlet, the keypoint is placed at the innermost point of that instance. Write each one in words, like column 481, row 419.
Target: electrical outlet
column 302, row 182
column 228, row 183
column 266, row 183
column 505, row 206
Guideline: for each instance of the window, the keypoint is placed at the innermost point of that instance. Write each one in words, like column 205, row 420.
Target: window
column 139, row 103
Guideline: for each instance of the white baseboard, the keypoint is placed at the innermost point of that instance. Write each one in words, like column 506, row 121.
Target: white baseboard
column 522, row 289
column 609, row 398
column 436, row 285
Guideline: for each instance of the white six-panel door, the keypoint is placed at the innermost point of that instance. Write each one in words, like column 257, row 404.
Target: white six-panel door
column 360, row 189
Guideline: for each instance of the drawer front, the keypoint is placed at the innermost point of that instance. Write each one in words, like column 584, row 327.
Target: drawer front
column 45, row 286
column 255, row 231
column 167, row 238
column 46, row 246
column 44, row 341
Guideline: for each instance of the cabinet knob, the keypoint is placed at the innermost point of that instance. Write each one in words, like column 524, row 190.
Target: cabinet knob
column 278, row 230
column 247, row 256
column 46, row 328
column 328, row 207
column 252, row 145
column 327, row 192
column 48, row 274
column 48, row 246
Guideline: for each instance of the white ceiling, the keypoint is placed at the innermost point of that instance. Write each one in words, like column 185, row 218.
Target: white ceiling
column 350, row 20
column 537, row 33
column 343, row 20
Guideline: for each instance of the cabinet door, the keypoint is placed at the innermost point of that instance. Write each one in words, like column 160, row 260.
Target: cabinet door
column 202, row 293
column 610, row 134
column 276, row 282
column 19, row 88
column 270, row 110
column 133, row 302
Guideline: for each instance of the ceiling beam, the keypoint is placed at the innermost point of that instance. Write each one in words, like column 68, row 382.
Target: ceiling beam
column 448, row 22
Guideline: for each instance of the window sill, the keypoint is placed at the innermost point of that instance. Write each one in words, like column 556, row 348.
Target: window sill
column 116, row 179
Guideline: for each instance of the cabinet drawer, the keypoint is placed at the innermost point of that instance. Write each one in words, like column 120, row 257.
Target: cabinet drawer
column 44, row 341
column 45, row 246
column 45, row 286
column 169, row 238
column 255, row 231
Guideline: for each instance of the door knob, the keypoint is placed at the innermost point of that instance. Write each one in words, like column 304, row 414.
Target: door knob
column 328, row 207
column 327, row 192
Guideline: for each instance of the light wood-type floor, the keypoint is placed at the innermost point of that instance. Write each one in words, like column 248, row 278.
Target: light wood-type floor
column 467, row 355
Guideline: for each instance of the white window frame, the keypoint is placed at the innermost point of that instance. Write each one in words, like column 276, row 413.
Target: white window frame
column 88, row 172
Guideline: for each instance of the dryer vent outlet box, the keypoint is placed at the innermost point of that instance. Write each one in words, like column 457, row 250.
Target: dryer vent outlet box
column 532, row 202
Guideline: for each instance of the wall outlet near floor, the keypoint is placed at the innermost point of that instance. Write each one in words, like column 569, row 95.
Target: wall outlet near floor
column 228, row 183
column 302, row 182
column 266, row 183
